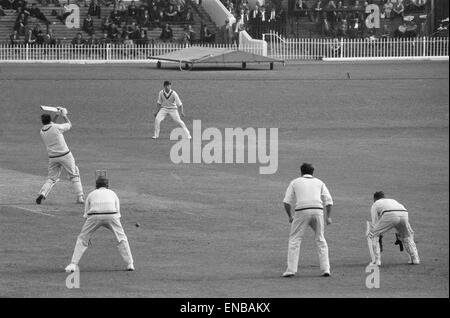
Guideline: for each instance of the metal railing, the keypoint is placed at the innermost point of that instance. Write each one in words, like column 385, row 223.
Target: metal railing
column 277, row 47
column 370, row 48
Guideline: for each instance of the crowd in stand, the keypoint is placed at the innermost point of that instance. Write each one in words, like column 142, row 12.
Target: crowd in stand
column 128, row 23
column 256, row 21
column 347, row 17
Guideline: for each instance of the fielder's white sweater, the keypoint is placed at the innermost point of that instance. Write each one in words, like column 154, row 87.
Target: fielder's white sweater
column 102, row 202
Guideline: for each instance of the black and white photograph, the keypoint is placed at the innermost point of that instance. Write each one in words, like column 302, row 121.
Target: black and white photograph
column 224, row 154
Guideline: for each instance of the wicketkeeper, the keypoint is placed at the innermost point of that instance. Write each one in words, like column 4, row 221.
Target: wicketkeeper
column 387, row 214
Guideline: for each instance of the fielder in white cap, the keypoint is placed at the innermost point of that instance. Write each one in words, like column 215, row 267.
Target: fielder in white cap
column 309, row 195
column 59, row 155
column 389, row 214
column 102, row 209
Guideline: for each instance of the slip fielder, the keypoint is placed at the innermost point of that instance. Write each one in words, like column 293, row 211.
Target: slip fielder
column 310, row 195
column 102, row 209
column 387, row 214
column 168, row 103
column 59, row 155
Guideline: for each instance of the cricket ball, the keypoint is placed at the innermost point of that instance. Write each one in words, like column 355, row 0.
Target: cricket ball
column 137, row 225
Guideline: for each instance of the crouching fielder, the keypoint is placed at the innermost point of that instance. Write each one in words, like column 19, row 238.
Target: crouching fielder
column 102, row 208
column 168, row 103
column 59, row 156
column 387, row 214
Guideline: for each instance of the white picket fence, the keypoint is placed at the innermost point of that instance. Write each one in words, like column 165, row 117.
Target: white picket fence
column 109, row 53
column 356, row 49
column 277, row 47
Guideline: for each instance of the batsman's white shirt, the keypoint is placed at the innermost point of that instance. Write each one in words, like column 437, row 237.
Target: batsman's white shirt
column 307, row 192
column 382, row 206
column 52, row 135
column 169, row 100
column 102, row 201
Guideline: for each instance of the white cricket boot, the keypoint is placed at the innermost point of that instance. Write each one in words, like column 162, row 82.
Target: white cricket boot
column 288, row 274
column 130, row 267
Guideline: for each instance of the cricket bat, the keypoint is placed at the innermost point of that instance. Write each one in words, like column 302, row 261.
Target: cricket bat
column 49, row 109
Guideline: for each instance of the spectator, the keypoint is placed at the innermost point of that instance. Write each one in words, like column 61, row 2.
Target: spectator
column 134, row 31
column 244, row 17
column 106, row 23
column 318, row 8
column 342, row 27
column 272, row 16
column 88, row 25
column 121, row 8
column 14, row 38
column 104, row 39
column 36, row 12
column 127, row 41
column 166, row 33
column 132, row 12
column 10, row 5
column 21, row 24
column 188, row 15
column 302, row 7
column 227, row 31
column 93, row 40
column 2, row 12
column 50, row 38
column 30, row 39
column 94, row 9
column 113, row 31
column 180, row 7
column 331, row 12
column 144, row 20
column 398, row 8
column 78, row 41
column 387, row 9
column 207, row 36
column 254, row 15
column 170, row 14
column 143, row 39
column 115, row 16
column 238, row 26
column 191, row 32
column 156, row 15
column 38, row 34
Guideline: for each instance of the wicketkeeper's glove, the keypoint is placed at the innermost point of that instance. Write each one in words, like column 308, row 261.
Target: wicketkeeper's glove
column 398, row 242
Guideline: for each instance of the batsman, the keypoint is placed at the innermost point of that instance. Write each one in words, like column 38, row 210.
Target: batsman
column 59, row 155
column 389, row 214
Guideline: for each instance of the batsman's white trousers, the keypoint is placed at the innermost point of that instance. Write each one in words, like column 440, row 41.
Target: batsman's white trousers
column 399, row 221
column 55, row 167
column 112, row 223
column 163, row 112
column 303, row 219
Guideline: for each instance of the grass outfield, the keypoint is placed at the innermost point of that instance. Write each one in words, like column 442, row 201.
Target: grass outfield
column 220, row 230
